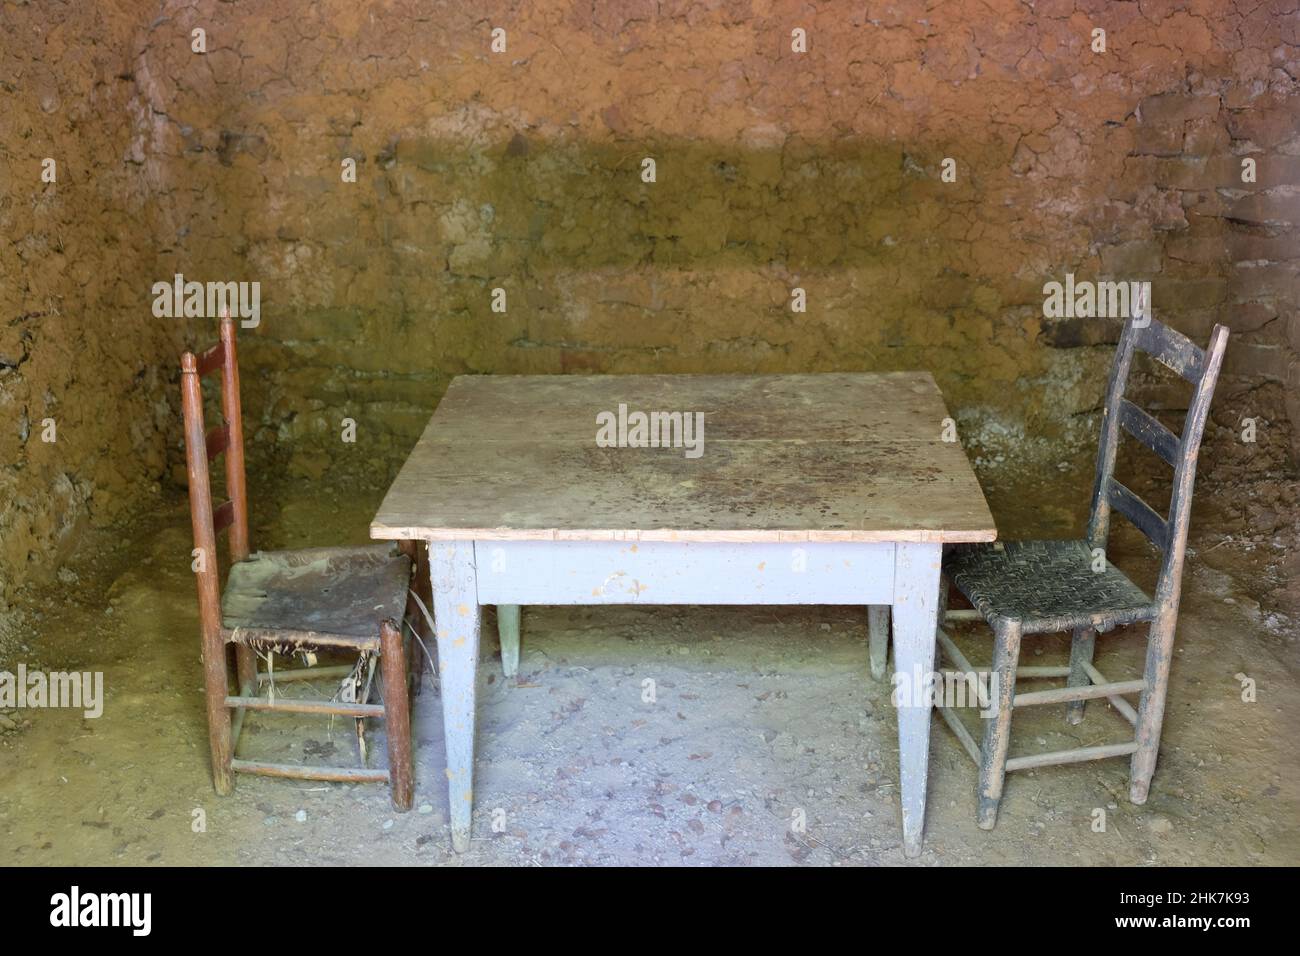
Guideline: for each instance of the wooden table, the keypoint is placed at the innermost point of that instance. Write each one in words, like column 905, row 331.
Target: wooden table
column 808, row 489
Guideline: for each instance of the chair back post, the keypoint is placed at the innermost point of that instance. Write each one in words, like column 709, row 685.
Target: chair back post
column 236, row 487
column 1189, row 447
column 196, row 466
column 1099, row 512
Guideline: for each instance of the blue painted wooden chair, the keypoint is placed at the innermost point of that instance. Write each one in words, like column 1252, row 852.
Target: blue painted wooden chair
column 1037, row 587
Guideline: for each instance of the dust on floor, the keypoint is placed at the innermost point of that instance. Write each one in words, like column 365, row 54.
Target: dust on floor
column 762, row 718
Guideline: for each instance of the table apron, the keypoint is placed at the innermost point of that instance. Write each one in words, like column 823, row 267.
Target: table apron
column 685, row 572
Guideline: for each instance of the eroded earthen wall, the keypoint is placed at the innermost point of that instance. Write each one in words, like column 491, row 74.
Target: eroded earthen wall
column 520, row 171
column 82, row 360
column 775, row 169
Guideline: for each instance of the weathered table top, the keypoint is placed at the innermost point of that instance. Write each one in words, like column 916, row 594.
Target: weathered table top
column 817, row 457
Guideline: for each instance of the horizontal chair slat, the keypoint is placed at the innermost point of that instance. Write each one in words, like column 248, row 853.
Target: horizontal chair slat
column 299, row 772
column 1172, row 350
column 1071, row 756
column 212, row 359
column 1146, row 429
column 1140, row 513
column 223, row 516
column 288, row 705
column 217, row 440
column 305, row 673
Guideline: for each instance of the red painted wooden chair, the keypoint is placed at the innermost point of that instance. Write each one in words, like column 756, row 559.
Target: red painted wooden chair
column 340, row 599
column 1037, row 587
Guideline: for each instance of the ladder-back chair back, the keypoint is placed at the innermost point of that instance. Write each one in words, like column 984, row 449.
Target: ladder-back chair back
column 1200, row 368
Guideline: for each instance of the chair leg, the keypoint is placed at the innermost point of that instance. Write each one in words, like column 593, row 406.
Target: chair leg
column 508, row 632
column 422, row 630
column 245, row 667
column 878, row 629
column 414, row 660
column 216, row 681
column 997, row 731
column 1081, row 648
column 1151, row 707
column 397, row 715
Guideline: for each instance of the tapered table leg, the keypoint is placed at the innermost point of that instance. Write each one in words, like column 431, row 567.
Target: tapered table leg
column 915, row 617
column 456, row 616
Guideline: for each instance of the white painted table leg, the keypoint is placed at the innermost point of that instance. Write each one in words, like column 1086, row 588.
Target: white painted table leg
column 456, row 617
column 878, row 630
column 916, row 597
column 508, row 632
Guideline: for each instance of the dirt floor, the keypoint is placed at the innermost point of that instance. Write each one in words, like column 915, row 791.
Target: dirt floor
column 763, row 715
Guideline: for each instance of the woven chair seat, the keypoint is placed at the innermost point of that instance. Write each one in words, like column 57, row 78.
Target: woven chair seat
column 316, row 596
column 1047, row 586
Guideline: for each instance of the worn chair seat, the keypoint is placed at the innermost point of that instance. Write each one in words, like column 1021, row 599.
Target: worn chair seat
column 316, row 596
column 1047, row 586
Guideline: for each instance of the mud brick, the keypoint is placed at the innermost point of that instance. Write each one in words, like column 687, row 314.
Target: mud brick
column 1186, row 295
column 1158, row 140
column 1250, row 358
column 1197, row 324
column 1243, row 246
column 1139, row 171
column 1132, row 258
column 1267, row 127
column 1250, row 317
column 1223, row 171
column 1271, row 169
column 1174, row 109
column 1181, row 172
column 1201, row 137
column 1277, row 281
column 1204, row 249
column 1269, row 208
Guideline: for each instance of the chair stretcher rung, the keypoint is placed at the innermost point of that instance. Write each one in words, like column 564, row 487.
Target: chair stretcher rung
column 299, row 772
column 1119, row 703
column 237, row 723
column 1030, row 672
column 958, row 658
column 1072, row 756
column 288, row 705
column 964, row 735
column 1063, row 695
column 305, row 673
column 966, row 667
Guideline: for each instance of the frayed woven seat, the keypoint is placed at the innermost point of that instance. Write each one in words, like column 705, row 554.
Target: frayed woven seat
column 316, row 596
column 1047, row 586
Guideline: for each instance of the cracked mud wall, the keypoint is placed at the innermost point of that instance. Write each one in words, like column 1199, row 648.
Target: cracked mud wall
column 520, row 171
column 82, row 360
column 775, row 170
